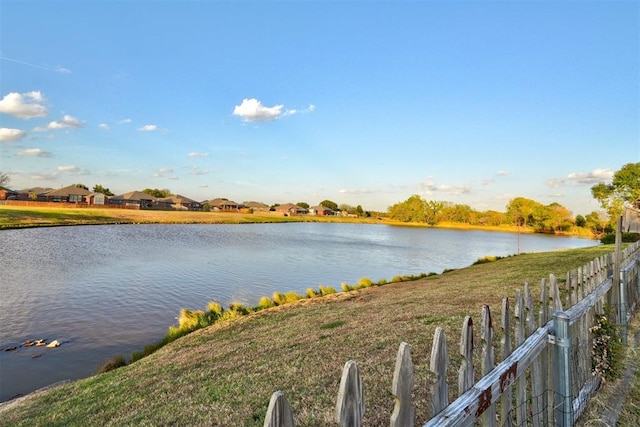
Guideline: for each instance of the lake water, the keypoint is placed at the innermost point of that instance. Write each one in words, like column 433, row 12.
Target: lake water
column 109, row 290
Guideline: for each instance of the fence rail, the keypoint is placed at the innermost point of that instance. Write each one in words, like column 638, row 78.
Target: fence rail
column 546, row 380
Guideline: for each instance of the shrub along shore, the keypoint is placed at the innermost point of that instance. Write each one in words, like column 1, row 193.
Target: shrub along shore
column 224, row 374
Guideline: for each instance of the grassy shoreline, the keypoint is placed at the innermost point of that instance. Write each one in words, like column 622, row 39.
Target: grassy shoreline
column 225, row 374
column 17, row 217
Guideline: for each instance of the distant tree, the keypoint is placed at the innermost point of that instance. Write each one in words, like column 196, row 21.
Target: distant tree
column 82, row 186
column 4, row 179
column 411, row 210
column 597, row 222
column 521, row 211
column 624, row 189
column 360, row 211
column 345, row 207
column 554, row 217
column 433, row 212
column 303, row 205
column 580, row 221
column 329, row 204
column 273, row 207
column 156, row 192
column 100, row 189
column 458, row 213
column 493, row 218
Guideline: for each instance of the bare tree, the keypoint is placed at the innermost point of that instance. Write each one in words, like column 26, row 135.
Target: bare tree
column 4, row 179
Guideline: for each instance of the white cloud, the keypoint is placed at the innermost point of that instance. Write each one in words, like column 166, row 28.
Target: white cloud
column 63, row 70
column 104, row 126
column 360, row 191
column 148, row 128
column 594, row 177
column 34, row 152
column 252, row 110
column 69, row 169
column 162, row 172
column 502, row 173
column 23, row 105
column 44, row 177
column 194, row 154
column 429, row 187
column 124, row 121
column 555, row 182
column 67, row 122
column 10, row 135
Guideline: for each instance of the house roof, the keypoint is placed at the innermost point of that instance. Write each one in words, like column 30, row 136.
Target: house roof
column 321, row 208
column 68, row 191
column 290, row 206
column 222, row 202
column 256, row 205
column 35, row 190
column 182, row 199
column 134, row 196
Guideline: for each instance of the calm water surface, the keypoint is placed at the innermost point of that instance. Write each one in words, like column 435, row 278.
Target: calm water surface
column 109, row 290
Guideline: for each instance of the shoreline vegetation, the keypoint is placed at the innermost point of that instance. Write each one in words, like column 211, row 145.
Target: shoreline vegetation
column 224, row 374
column 17, row 217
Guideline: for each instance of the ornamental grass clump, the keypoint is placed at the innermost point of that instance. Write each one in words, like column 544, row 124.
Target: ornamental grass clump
column 311, row 293
column 365, row 282
column 265, row 302
column 326, row 290
column 607, row 349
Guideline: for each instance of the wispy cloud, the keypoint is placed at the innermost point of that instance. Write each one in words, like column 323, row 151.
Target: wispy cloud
column 164, row 173
column 429, row 187
column 581, row 178
column 148, row 128
column 356, row 191
column 589, row 178
column 194, row 155
column 502, row 173
column 68, row 169
column 67, row 122
column 23, row 105
column 124, row 121
column 104, row 126
column 34, row 152
column 10, row 135
column 57, row 69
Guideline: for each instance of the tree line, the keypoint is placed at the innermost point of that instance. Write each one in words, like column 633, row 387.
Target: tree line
column 624, row 190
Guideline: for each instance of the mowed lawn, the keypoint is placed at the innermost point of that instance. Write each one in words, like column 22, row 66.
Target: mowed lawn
column 225, row 374
column 24, row 216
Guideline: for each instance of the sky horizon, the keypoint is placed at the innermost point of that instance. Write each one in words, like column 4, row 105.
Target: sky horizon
column 359, row 102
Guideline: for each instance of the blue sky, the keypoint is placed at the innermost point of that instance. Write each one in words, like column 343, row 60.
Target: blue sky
column 362, row 102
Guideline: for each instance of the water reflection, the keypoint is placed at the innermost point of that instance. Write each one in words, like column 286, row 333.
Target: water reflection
column 108, row 290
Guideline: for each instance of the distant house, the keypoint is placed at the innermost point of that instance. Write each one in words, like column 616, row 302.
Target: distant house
column 321, row 211
column 182, row 203
column 291, row 209
column 134, row 199
column 223, row 205
column 37, row 194
column 5, row 193
column 69, row 194
column 257, row 206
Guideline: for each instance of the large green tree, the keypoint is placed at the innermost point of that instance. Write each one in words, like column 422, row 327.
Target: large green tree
column 156, row 192
column 329, row 204
column 623, row 190
column 100, row 189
